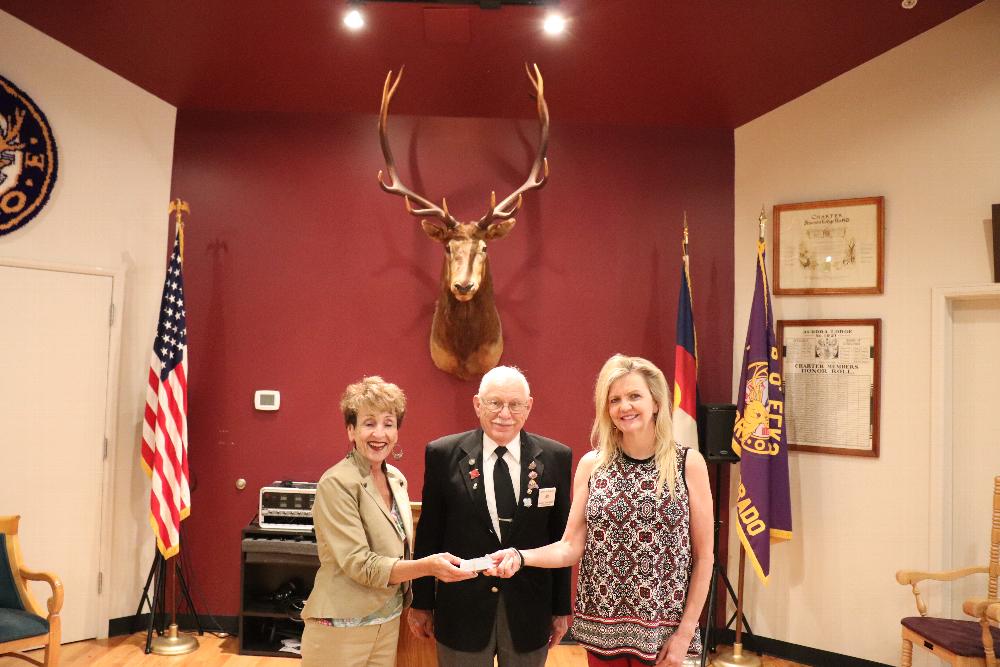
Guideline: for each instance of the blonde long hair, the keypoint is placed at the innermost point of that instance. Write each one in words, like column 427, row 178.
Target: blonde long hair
column 607, row 440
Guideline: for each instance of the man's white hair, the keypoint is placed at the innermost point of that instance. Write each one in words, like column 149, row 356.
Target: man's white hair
column 501, row 375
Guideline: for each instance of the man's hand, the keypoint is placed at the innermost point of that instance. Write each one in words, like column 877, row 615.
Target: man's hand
column 560, row 624
column 421, row 622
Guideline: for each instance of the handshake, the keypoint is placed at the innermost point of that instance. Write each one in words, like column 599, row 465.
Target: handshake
column 448, row 568
column 504, row 563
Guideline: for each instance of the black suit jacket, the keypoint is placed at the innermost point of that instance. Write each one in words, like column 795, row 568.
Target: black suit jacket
column 454, row 518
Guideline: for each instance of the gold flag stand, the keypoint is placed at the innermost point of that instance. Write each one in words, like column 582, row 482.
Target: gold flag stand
column 735, row 656
column 172, row 642
column 731, row 658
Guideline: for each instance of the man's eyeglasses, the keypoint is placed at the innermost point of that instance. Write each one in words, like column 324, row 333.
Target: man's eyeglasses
column 496, row 405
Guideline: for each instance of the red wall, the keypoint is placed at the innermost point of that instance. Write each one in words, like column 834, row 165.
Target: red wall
column 301, row 275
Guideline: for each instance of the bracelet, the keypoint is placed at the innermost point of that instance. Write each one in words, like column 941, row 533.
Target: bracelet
column 521, row 556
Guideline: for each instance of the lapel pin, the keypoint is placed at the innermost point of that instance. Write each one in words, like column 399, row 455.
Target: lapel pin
column 532, row 466
column 527, row 501
column 475, row 485
column 472, row 462
column 474, row 473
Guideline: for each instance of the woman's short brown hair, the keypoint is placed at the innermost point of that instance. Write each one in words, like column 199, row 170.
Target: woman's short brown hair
column 375, row 393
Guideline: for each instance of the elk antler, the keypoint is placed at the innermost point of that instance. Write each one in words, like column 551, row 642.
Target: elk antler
column 539, row 170
column 395, row 186
column 13, row 132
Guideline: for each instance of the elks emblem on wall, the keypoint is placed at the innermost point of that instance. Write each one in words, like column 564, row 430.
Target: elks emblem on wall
column 27, row 158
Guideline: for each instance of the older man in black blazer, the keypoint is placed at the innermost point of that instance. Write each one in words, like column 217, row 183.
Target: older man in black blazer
column 497, row 486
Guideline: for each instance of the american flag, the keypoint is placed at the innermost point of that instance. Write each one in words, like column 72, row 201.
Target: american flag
column 164, row 431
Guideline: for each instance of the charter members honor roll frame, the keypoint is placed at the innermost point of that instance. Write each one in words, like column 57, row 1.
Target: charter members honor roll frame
column 493, row 487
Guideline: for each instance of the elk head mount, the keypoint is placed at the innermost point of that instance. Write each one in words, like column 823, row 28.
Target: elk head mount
column 466, row 336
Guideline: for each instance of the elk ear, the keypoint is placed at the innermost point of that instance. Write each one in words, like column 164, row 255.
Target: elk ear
column 436, row 232
column 498, row 230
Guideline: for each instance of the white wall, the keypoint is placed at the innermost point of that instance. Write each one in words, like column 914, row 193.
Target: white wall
column 108, row 209
column 921, row 126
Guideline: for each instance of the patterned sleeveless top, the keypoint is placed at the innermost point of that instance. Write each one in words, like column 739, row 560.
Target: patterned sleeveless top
column 637, row 562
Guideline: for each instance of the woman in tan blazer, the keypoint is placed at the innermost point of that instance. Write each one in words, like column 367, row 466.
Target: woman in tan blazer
column 364, row 531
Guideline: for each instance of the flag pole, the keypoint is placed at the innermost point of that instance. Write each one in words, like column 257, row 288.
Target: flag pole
column 684, row 244
column 731, row 658
column 172, row 642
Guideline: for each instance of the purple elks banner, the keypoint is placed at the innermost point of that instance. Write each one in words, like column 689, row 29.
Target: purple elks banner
column 763, row 505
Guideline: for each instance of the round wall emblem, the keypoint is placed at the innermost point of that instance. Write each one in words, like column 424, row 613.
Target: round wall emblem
column 27, row 158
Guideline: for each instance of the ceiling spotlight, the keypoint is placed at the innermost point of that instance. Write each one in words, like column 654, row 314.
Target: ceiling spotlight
column 554, row 24
column 354, row 20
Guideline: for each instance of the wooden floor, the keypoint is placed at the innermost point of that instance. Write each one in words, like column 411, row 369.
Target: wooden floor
column 216, row 652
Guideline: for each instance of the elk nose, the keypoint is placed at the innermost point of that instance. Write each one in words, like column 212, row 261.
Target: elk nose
column 463, row 289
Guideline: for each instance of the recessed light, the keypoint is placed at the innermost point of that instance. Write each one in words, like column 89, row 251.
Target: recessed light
column 354, row 20
column 554, row 24
column 909, row 4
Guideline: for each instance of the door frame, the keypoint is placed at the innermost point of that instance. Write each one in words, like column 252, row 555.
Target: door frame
column 943, row 300
column 106, row 519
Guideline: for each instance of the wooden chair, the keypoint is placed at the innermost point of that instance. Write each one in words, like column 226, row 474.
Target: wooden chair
column 960, row 643
column 23, row 623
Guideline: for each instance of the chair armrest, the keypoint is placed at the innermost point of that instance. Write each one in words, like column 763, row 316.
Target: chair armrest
column 976, row 607
column 993, row 612
column 913, row 577
column 55, row 602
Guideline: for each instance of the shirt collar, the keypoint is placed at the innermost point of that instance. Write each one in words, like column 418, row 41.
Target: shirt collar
column 513, row 448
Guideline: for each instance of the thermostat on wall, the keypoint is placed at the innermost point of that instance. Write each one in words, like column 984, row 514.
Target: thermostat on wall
column 267, row 399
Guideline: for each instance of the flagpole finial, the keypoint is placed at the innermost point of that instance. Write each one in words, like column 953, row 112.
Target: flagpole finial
column 178, row 207
column 685, row 231
column 762, row 221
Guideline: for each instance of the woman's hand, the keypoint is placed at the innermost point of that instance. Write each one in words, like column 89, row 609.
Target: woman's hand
column 444, row 566
column 674, row 650
column 508, row 562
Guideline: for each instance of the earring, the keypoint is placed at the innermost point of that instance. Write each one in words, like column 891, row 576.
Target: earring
column 397, row 453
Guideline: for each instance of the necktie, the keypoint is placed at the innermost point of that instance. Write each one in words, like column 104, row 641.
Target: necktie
column 503, row 490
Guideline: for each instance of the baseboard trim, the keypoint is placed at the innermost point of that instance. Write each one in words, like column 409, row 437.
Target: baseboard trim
column 805, row 655
column 126, row 625
column 797, row 653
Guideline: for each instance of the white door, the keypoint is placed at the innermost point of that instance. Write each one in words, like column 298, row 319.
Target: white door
column 54, row 344
column 975, row 438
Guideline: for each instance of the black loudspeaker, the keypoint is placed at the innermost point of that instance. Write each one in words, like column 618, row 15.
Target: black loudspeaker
column 715, row 432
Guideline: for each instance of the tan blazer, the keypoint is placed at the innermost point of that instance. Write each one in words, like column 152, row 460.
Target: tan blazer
column 358, row 541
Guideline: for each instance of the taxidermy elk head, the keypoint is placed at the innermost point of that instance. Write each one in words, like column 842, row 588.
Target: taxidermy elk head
column 466, row 337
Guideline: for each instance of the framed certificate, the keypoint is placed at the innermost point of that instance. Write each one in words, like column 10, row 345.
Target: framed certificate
column 829, row 247
column 831, row 381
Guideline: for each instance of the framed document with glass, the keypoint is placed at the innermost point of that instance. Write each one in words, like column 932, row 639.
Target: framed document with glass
column 829, row 247
column 831, row 380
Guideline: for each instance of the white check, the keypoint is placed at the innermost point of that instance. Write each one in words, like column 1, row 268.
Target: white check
column 476, row 564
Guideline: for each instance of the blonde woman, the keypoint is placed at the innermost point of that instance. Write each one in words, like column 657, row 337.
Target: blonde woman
column 641, row 521
column 364, row 532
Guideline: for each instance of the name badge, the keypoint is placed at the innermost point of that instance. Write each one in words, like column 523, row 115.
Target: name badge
column 547, row 497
